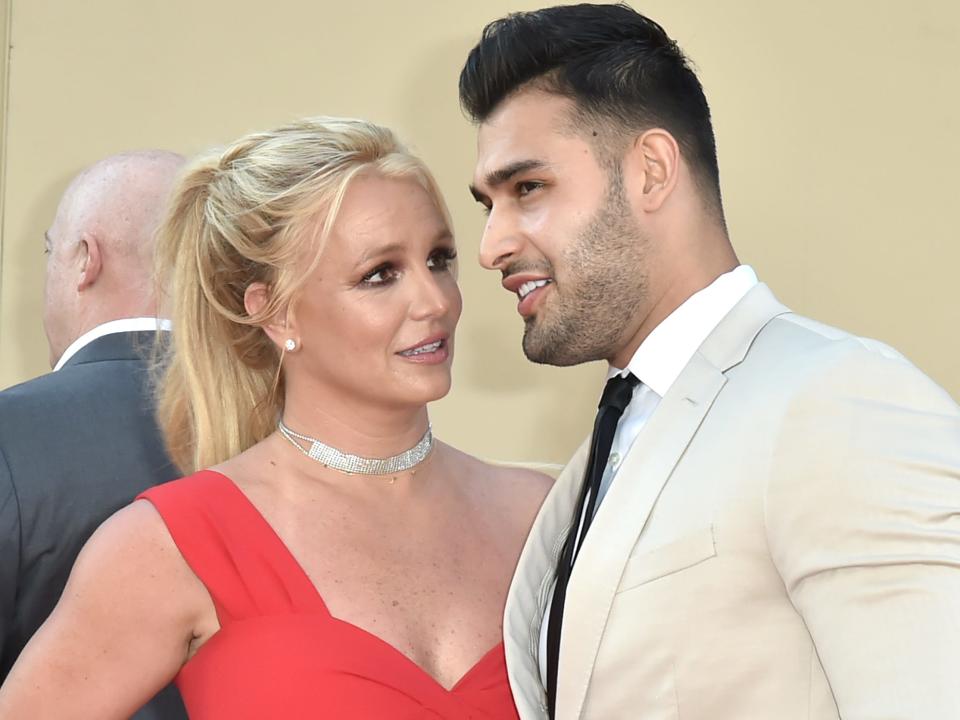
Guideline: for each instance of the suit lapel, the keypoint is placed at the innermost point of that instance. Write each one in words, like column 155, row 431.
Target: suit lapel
column 640, row 480
column 612, row 537
column 532, row 581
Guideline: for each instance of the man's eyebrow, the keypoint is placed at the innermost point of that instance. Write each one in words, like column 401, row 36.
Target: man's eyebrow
column 502, row 175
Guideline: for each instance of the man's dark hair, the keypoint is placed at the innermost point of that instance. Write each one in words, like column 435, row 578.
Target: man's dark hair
column 619, row 67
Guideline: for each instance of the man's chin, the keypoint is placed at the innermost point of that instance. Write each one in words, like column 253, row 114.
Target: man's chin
column 548, row 350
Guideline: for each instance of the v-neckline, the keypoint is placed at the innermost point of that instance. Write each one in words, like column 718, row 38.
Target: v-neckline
column 310, row 589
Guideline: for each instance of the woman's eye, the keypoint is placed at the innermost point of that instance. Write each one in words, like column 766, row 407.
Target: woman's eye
column 441, row 259
column 380, row 276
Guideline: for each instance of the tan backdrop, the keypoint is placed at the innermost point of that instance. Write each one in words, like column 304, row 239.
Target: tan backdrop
column 837, row 125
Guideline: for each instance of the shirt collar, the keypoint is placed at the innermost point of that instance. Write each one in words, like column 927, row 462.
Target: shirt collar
column 662, row 356
column 138, row 324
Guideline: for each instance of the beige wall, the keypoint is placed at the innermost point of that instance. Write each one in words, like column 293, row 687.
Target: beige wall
column 4, row 53
column 837, row 125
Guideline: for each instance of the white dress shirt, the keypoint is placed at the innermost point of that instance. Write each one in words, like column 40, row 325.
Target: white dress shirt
column 657, row 363
column 140, row 324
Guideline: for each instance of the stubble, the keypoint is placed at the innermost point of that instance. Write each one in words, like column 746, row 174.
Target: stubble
column 603, row 283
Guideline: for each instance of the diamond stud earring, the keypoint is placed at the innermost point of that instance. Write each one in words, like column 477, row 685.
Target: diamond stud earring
column 290, row 344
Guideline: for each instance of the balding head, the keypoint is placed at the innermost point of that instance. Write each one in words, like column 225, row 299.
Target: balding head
column 100, row 244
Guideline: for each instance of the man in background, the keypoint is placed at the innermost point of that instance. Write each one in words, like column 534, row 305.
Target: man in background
column 766, row 522
column 79, row 443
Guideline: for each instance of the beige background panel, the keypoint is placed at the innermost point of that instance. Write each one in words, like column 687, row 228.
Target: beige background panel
column 4, row 54
column 837, row 127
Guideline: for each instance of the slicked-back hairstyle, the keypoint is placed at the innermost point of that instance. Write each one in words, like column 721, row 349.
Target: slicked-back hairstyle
column 620, row 68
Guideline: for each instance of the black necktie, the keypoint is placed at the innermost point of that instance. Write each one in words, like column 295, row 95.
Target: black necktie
column 616, row 396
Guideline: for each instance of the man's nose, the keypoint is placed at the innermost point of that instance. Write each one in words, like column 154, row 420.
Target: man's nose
column 500, row 242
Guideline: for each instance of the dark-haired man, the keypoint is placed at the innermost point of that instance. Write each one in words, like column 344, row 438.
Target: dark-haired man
column 765, row 522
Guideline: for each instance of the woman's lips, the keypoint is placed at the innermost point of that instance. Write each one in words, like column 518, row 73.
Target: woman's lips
column 427, row 353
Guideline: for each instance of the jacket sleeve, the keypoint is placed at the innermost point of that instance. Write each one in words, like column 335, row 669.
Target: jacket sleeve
column 863, row 521
column 9, row 560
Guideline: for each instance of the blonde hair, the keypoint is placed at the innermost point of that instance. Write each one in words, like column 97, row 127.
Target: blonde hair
column 243, row 215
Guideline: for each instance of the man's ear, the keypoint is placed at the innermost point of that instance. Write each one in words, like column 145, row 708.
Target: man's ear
column 278, row 328
column 91, row 261
column 652, row 165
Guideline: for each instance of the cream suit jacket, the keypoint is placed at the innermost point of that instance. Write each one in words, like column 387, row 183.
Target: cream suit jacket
column 782, row 542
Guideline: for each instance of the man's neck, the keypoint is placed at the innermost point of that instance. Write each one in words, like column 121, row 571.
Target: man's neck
column 136, row 324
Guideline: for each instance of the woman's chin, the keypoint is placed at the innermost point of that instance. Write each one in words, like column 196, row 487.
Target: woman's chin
column 427, row 392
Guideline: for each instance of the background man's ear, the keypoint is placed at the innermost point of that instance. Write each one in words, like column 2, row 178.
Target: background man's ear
column 91, row 261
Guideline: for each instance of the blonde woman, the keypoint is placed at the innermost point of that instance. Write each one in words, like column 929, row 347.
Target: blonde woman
column 334, row 560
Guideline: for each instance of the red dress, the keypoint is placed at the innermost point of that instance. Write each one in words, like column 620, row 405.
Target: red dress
column 279, row 653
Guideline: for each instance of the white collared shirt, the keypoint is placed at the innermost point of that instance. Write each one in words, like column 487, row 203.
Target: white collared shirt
column 657, row 363
column 139, row 324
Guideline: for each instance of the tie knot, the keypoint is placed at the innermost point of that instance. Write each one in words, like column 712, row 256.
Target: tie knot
column 618, row 392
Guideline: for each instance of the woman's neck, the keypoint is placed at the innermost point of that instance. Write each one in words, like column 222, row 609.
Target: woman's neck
column 368, row 431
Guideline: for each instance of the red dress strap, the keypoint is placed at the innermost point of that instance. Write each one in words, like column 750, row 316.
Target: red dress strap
column 279, row 653
column 232, row 549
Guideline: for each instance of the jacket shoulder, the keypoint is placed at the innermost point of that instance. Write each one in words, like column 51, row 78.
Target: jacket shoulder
column 820, row 334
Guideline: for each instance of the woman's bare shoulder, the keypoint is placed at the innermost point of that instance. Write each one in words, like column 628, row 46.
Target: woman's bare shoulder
column 135, row 534
column 523, row 476
column 521, row 482
column 133, row 549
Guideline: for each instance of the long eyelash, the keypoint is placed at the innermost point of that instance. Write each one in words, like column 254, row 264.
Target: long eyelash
column 383, row 268
column 443, row 257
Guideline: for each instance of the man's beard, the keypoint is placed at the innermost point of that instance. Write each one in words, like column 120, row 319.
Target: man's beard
column 604, row 282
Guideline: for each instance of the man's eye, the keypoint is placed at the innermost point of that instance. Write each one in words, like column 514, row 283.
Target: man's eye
column 527, row 186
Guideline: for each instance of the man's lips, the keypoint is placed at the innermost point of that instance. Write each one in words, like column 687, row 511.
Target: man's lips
column 529, row 288
column 514, row 282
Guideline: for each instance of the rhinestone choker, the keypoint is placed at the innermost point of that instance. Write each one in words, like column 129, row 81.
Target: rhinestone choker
column 354, row 464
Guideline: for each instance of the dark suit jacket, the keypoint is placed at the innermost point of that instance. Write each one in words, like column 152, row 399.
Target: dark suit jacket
column 75, row 446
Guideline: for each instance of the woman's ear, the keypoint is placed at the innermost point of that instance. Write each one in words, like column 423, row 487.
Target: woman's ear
column 279, row 328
